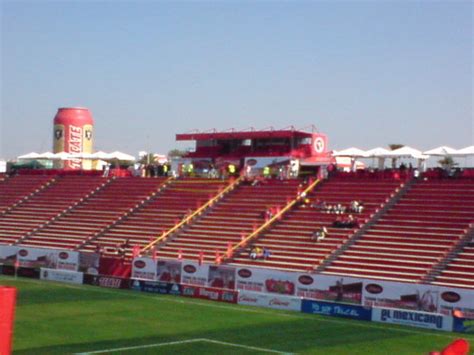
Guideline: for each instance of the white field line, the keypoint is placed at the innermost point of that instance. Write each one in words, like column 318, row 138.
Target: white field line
column 246, row 309
column 184, row 342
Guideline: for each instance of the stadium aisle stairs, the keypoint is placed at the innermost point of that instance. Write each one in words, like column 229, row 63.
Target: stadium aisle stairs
column 94, row 213
column 161, row 213
column 237, row 213
column 13, row 189
column 414, row 235
column 460, row 270
column 289, row 240
column 41, row 207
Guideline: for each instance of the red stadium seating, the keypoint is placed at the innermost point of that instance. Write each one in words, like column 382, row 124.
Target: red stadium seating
column 289, row 240
column 95, row 213
column 414, row 235
column 236, row 214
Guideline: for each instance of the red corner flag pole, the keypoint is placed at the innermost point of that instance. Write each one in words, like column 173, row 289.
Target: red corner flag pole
column 7, row 314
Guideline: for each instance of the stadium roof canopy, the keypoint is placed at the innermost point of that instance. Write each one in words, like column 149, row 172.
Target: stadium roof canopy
column 251, row 133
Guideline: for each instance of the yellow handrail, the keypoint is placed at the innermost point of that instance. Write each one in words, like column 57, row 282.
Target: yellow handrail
column 275, row 217
column 190, row 217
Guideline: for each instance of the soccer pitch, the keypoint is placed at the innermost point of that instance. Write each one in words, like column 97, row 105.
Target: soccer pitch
column 54, row 318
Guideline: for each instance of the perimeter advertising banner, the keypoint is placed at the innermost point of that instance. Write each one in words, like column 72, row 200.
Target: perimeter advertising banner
column 329, row 288
column 417, row 297
column 336, row 310
column 62, row 276
column 107, row 281
column 168, row 271
column 89, row 263
column 164, row 288
column 264, row 280
column 144, row 268
column 48, row 258
column 8, row 254
column 221, row 277
column 270, row 301
column 209, row 293
column 413, row 318
column 194, row 274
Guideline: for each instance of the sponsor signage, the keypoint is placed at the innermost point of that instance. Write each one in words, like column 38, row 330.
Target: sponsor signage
column 89, row 263
column 264, row 280
column 336, row 310
column 48, row 258
column 168, row 271
column 209, row 293
column 163, row 288
column 73, row 277
column 107, row 281
column 418, row 297
column 221, row 277
column 144, row 268
column 194, row 274
column 269, row 301
column 8, row 254
column 329, row 288
column 413, row 318
column 21, row 271
column 67, row 260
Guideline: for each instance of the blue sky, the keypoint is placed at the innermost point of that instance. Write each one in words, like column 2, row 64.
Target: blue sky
column 366, row 73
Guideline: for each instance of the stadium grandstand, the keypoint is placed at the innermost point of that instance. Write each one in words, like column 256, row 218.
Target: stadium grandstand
column 249, row 212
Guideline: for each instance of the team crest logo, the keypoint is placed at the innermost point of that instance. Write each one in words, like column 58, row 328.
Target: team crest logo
column 88, row 134
column 58, row 134
column 319, row 145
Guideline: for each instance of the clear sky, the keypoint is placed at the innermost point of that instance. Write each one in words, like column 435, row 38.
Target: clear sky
column 366, row 73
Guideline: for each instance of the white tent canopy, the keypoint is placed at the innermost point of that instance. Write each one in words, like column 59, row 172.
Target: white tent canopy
column 62, row 156
column 349, row 152
column 46, row 155
column 441, row 151
column 465, row 151
column 32, row 155
column 376, row 152
column 406, row 152
column 120, row 156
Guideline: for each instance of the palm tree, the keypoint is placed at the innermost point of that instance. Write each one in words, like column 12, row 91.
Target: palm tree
column 447, row 163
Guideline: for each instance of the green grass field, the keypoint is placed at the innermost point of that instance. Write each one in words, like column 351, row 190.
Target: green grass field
column 54, row 318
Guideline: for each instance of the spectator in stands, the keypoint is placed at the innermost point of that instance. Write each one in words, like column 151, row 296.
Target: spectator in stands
column 329, row 208
column 319, row 205
column 340, row 209
column 319, row 234
column 253, row 253
column 266, row 253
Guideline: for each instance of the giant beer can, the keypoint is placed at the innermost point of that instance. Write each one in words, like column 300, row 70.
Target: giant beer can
column 73, row 133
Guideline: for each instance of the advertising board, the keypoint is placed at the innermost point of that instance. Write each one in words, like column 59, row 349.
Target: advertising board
column 47, row 258
column 413, row 318
column 418, row 297
column 168, row 271
column 107, row 281
column 336, row 310
column 209, row 293
column 73, row 277
column 8, row 254
column 265, row 280
column 329, row 288
column 194, row 274
column 287, row 303
column 164, row 288
column 221, row 277
column 144, row 269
